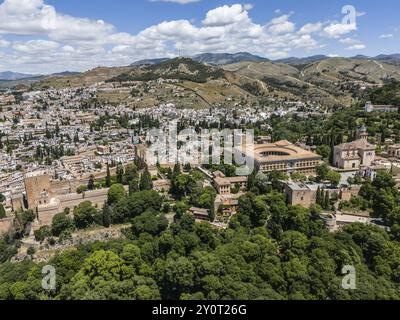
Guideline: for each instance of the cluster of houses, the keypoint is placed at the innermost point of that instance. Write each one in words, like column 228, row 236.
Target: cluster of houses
column 52, row 144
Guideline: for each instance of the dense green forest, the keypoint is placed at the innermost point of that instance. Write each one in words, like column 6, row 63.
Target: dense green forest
column 271, row 251
column 388, row 94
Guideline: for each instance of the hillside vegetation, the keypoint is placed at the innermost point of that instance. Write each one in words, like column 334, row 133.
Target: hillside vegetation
column 178, row 69
column 328, row 82
column 388, row 94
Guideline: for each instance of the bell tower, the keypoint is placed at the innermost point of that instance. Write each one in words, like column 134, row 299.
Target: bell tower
column 362, row 133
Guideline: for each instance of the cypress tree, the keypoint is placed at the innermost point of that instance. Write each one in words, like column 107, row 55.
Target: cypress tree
column 133, row 186
column 327, row 204
column 108, row 177
column 319, row 196
column 251, row 180
column 106, row 215
column 145, row 181
column 2, row 212
column 175, row 174
column 91, row 184
column 120, row 174
column 211, row 213
column 322, row 199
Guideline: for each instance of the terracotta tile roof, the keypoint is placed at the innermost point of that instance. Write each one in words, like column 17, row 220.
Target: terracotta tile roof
column 284, row 151
column 358, row 144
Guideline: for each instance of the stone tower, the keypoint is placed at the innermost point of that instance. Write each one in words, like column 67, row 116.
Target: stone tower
column 362, row 133
column 38, row 189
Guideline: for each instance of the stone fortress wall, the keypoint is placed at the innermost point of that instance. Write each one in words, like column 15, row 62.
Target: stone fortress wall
column 6, row 225
column 70, row 201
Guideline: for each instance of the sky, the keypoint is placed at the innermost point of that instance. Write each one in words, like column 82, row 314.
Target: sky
column 47, row 36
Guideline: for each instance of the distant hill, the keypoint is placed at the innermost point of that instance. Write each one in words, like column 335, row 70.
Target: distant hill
column 300, row 61
column 148, row 62
column 325, row 81
column 386, row 58
column 331, row 81
column 71, row 79
column 215, row 59
column 64, row 74
column 218, row 59
column 9, row 75
column 178, row 68
column 389, row 58
column 5, row 83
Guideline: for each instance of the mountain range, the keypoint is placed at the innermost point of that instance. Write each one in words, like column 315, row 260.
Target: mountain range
column 11, row 79
column 218, row 59
column 215, row 79
column 215, row 59
column 320, row 80
column 9, row 75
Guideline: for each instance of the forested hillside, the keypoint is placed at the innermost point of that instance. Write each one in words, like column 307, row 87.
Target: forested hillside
column 271, row 251
column 388, row 94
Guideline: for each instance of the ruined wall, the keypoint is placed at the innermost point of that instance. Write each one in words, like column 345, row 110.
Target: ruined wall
column 6, row 225
column 63, row 187
column 35, row 186
column 96, row 197
column 17, row 203
column 347, row 194
column 46, row 213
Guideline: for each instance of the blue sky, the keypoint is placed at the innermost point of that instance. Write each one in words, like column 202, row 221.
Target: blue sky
column 43, row 36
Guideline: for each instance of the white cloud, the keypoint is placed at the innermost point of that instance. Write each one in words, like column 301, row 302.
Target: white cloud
column 335, row 30
column 63, row 42
column 353, row 44
column 305, row 41
column 278, row 54
column 68, row 49
column 349, row 41
column 35, row 46
column 386, row 36
column 356, row 47
column 281, row 25
column 311, row 28
column 226, row 15
column 248, row 6
column 33, row 17
column 4, row 43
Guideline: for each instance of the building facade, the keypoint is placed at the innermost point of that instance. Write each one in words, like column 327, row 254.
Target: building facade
column 38, row 189
column 394, row 151
column 286, row 157
column 369, row 107
column 353, row 155
column 300, row 194
column 224, row 185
